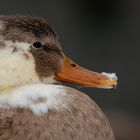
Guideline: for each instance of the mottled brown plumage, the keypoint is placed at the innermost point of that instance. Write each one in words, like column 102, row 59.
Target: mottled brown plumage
column 83, row 121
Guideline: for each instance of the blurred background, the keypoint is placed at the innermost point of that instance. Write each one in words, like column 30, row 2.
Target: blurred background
column 101, row 35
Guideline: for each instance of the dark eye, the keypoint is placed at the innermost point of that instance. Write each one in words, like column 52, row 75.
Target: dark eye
column 37, row 45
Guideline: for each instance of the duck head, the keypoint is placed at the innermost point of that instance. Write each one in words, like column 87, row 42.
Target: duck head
column 30, row 53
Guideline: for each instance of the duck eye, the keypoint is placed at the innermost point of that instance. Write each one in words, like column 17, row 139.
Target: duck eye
column 37, row 45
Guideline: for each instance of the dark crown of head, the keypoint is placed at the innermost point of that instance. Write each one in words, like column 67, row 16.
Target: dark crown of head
column 38, row 26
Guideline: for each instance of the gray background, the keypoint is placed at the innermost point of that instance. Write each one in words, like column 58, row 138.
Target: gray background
column 102, row 36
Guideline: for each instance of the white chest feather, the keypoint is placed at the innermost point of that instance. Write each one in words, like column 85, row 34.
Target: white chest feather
column 37, row 97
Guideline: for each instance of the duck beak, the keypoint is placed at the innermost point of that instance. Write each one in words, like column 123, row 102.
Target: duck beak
column 73, row 73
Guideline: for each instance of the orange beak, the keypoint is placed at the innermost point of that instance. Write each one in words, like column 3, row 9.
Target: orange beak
column 73, row 73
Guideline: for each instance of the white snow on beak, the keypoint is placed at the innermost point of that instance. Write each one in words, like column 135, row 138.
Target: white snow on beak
column 112, row 76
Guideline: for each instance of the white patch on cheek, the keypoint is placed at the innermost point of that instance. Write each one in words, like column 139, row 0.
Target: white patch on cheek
column 23, row 46
column 15, row 69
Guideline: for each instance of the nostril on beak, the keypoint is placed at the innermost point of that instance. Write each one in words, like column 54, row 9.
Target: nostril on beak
column 73, row 65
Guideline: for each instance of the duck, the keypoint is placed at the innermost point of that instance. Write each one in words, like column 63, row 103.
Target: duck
column 35, row 103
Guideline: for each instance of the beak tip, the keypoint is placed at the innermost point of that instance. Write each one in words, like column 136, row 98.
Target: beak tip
column 111, row 82
column 111, row 76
